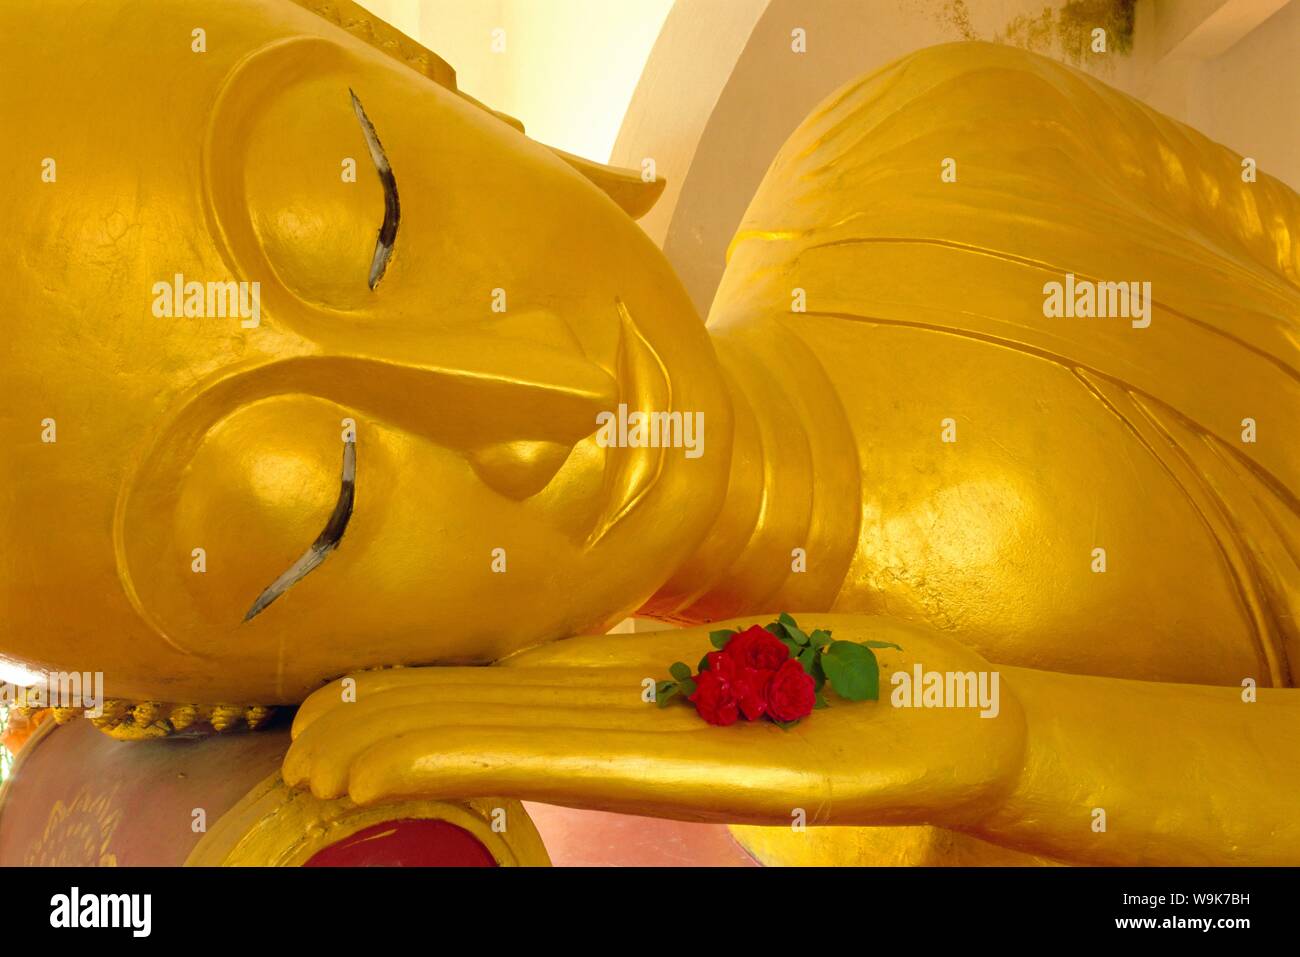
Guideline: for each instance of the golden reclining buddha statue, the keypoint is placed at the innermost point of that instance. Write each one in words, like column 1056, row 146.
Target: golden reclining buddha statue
column 386, row 452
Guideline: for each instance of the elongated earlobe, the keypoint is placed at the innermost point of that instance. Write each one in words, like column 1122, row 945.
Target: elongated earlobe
column 629, row 188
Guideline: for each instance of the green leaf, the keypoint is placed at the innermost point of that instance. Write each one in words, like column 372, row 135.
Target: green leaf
column 688, row 687
column 680, row 670
column 852, row 671
column 819, row 637
column 792, row 628
column 720, row 638
column 665, row 691
column 819, row 702
column 818, row 672
column 883, row 644
column 808, row 658
column 704, row 663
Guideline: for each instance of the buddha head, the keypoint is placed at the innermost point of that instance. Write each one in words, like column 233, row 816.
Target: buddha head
column 307, row 357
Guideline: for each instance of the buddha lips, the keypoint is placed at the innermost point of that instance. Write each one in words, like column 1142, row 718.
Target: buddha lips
column 775, row 672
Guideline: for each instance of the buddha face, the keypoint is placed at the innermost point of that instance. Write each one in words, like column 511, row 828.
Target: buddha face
column 309, row 358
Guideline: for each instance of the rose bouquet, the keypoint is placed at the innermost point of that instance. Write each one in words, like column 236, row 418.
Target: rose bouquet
column 774, row 671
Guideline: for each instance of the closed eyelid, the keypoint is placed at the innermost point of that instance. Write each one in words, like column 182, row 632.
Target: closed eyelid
column 326, row 542
column 392, row 207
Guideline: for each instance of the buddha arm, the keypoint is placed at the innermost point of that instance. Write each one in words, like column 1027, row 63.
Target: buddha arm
column 1186, row 774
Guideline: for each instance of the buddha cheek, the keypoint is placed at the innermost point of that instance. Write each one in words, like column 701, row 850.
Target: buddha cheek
column 434, row 565
column 207, row 529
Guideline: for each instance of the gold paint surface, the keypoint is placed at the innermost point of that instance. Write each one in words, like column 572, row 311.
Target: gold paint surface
column 474, row 427
column 474, row 432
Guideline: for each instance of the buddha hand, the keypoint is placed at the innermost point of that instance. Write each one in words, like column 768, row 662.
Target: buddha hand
column 568, row 724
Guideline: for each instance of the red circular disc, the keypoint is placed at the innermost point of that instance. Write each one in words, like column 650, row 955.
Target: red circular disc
column 409, row 842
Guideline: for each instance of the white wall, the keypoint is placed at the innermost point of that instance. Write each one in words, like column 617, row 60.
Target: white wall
column 1236, row 79
column 569, row 66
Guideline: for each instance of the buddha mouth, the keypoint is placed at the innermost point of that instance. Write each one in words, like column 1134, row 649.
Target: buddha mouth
column 643, row 386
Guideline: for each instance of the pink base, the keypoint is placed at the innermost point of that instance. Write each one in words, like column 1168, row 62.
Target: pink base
column 600, row 839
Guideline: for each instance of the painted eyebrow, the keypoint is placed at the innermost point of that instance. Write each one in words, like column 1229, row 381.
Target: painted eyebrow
column 326, row 541
column 392, row 207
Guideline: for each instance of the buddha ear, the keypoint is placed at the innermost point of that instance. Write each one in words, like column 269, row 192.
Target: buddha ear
column 625, row 187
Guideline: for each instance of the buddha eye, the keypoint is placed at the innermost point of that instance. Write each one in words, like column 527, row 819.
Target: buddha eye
column 392, row 207
column 326, row 542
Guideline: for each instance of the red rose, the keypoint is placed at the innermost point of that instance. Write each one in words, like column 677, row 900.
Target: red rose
column 750, row 688
column 720, row 663
column 791, row 693
column 714, row 698
column 758, row 648
column 747, row 686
